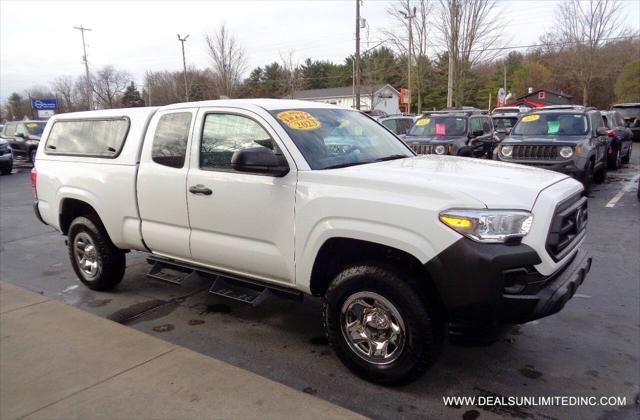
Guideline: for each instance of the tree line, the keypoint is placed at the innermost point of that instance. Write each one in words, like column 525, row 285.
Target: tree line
column 590, row 55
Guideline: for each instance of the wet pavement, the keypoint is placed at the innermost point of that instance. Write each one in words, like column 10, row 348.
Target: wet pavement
column 591, row 348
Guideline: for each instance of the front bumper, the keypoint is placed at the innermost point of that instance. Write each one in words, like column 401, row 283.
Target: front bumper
column 486, row 285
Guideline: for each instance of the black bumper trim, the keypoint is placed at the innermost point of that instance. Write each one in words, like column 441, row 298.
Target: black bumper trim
column 36, row 210
column 471, row 279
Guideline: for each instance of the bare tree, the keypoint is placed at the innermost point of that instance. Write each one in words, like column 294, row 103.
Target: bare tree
column 584, row 27
column 229, row 60
column 292, row 69
column 469, row 30
column 420, row 30
column 64, row 87
column 108, row 83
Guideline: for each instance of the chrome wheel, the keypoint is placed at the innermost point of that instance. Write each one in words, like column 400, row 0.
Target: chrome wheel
column 86, row 255
column 373, row 328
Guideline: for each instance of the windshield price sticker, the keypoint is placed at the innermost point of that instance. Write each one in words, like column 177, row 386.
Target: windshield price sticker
column 299, row 120
column 531, row 118
column 32, row 125
column 423, row 121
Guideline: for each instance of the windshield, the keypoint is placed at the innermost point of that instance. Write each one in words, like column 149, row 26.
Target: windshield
column 36, row 128
column 333, row 138
column 628, row 111
column 551, row 124
column 502, row 124
column 439, row 126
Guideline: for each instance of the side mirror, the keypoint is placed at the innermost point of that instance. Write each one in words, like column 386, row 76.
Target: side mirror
column 259, row 160
column 602, row 131
column 21, row 135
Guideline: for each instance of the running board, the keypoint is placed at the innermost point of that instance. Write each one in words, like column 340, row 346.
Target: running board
column 241, row 289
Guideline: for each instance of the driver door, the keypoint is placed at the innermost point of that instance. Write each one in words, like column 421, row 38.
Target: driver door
column 242, row 223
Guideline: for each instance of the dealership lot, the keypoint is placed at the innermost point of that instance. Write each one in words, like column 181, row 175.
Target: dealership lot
column 591, row 348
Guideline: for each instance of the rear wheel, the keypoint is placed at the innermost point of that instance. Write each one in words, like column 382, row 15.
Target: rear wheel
column 626, row 157
column 587, row 178
column 98, row 263
column 601, row 174
column 615, row 160
column 380, row 326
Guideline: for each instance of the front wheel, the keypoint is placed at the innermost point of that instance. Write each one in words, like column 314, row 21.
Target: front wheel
column 587, row 178
column 380, row 326
column 601, row 175
column 614, row 161
column 98, row 263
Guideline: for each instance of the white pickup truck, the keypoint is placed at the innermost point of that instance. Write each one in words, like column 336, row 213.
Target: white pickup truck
column 291, row 198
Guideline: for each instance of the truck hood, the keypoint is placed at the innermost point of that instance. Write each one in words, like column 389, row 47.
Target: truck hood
column 433, row 139
column 570, row 140
column 494, row 184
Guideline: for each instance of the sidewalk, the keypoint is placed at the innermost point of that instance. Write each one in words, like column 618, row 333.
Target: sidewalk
column 57, row 361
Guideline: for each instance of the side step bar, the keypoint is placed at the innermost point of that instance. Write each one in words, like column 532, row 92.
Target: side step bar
column 242, row 289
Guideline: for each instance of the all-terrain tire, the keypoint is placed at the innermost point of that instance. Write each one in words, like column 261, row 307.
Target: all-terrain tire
column 110, row 260
column 423, row 326
column 601, row 174
column 587, row 178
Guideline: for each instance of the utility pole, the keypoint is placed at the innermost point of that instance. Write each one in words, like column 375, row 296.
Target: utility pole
column 357, row 58
column 409, row 18
column 86, row 65
column 505, row 77
column 184, row 65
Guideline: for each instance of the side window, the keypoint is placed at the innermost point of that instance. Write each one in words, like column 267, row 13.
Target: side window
column 95, row 137
column 486, row 125
column 391, row 125
column 223, row 134
column 21, row 129
column 406, row 125
column 170, row 139
column 10, row 129
column 596, row 121
column 619, row 119
column 475, row 125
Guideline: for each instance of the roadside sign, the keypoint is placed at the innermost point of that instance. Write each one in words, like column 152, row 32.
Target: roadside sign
column 45, row 113
column 405, row 96
column 43, row 103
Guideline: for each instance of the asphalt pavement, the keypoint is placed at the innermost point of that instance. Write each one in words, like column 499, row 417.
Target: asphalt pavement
column 591, row 348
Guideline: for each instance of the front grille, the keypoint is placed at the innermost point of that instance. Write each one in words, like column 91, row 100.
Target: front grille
column 536, row 152
column 568, row 226
column 423, row 149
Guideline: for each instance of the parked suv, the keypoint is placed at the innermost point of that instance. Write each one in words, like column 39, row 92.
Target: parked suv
column 398, row 124
column 571, row 140
column 620, row 139
column 23, row 138
column 278, row 197
column 453, row 132
column 631, row 114
column 6, row 159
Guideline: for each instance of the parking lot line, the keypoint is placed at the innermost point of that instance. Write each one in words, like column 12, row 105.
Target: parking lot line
column 626, row 187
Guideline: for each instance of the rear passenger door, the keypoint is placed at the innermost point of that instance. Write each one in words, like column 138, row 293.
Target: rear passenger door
column 244, row 223
column 162, row 183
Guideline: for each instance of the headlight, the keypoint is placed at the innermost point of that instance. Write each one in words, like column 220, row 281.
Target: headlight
column 488, row 225
column 506, row 151
column 566, row 152
column 440, row 149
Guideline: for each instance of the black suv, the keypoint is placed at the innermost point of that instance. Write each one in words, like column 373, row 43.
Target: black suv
column 631, row 114
column 568, row 139
column 23, row 138
column 454, row 132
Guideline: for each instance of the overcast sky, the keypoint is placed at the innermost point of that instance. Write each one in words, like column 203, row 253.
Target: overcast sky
column 38, row 42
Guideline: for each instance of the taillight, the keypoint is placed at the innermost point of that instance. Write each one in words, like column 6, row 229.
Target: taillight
column 611, row 133
column 34, row 181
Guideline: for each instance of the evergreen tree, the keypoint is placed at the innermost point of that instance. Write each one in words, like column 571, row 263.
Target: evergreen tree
column 131, row 97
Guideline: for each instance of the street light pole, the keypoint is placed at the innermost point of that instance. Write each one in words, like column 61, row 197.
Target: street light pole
column 357, row 57
column 86, row 66
column 184, row 65
column 409, row 18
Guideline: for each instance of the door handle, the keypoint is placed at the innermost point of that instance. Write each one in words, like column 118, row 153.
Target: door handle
column 200, row 189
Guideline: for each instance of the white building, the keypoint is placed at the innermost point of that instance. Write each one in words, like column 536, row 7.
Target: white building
column 383, row 97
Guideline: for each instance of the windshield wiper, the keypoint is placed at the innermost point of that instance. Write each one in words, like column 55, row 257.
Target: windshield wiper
column 344, row 165
column 390, row 157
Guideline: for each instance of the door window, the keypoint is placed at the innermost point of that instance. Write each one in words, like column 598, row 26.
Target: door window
column 170, row 140
column 475, row 125
column 224, row 134
column 391, row 125
column 486, row 125
column 10, row 129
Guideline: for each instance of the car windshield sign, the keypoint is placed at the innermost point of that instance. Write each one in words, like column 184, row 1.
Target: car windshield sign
column 35, row 128
column 334, row 138
column 503, row 123
column 439, row 126
column 551, row 124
